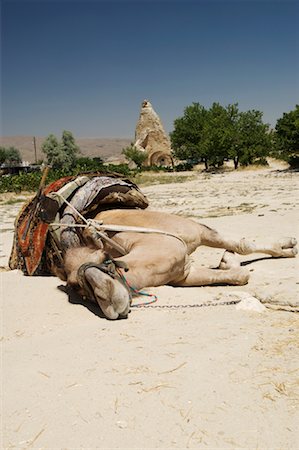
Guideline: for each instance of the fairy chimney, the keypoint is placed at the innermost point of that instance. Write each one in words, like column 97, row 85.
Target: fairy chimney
column 150, row 137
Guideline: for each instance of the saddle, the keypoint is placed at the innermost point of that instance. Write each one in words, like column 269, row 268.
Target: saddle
column 34, row 245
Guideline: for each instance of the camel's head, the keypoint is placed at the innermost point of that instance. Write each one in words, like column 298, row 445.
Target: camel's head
column 83, row 267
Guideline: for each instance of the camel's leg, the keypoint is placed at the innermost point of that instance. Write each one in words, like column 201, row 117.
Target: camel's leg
column 285, row 247
column 230, row 272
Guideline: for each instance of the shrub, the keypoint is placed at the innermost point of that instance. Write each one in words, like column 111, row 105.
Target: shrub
column 2, row 155
column 294, row 162
column 10, row 155
column 122, row 169
column 84, row 164
column 182, row 167
column 133, row 154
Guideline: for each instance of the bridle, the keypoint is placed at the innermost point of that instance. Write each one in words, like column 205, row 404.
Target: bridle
column 115, row 270
column 109, row 266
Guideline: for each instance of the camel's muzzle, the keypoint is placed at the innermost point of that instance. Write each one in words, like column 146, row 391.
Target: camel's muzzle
column 108, row 267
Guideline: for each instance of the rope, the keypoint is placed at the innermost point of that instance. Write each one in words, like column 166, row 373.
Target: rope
column 73, row 208
column 99, row 226
column 154, row 297
column 67, row 225
column 88, row 223
column 137, row 292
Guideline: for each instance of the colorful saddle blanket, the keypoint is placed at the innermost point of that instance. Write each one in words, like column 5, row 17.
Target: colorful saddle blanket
column 90, row 193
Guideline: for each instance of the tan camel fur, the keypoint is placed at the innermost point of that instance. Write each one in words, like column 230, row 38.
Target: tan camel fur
column 157, row 259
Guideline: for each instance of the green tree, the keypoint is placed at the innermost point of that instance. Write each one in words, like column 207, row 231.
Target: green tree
column 204, row 134
column 252, row 139
column 69, row 148
column 60, row 155
column 50, row 147
column 187, row 134
column 218, row 134
column 2, row 155
column 133, row 154
column 10, row 155
column 287, row 136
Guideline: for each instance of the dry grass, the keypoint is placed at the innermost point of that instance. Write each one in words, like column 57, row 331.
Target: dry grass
column 9, row 198
column 153, row 178
column 12, row 201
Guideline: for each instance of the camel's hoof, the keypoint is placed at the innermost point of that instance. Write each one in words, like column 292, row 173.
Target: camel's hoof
column 242, row 277
column 288, row 247
column 290, row 252
column 288, row 243
column 229, row 261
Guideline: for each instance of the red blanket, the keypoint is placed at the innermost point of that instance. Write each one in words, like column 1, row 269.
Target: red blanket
column 31, row 234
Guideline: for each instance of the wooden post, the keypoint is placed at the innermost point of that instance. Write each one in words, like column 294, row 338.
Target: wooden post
column 35, row 153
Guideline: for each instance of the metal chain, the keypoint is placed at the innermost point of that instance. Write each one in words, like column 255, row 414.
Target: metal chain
column 195, row 305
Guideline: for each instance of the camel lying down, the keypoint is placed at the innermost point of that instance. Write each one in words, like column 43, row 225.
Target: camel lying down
column 155, row 259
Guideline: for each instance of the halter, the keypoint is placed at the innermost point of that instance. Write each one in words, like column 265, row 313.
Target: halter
column 109, row 266
column 112, row 268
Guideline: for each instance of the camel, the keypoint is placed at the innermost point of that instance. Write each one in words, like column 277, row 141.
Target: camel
column 96, row 232
column 150, row 248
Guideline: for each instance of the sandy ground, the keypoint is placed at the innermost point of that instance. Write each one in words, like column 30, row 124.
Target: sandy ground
column 171, row 378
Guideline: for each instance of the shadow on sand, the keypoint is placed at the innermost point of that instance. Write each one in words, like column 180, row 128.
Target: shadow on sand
column 75, row 299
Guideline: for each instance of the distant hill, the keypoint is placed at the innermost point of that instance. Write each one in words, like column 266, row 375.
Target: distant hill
column 107, row 149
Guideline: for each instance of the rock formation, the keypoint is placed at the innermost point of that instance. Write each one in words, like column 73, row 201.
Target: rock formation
column 150, row 137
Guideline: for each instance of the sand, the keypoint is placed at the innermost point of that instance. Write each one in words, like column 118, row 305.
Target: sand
column 211, row 377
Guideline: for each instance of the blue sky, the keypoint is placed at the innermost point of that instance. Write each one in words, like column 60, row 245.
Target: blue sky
column 87, row 65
